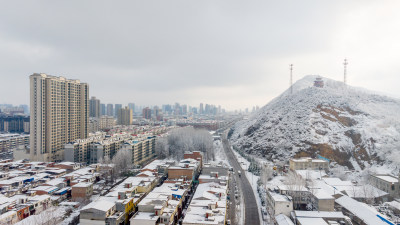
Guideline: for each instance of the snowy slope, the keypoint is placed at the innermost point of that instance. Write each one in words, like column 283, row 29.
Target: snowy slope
column 352, row 126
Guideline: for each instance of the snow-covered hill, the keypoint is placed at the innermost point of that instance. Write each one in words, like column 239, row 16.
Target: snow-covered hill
column 352, row 126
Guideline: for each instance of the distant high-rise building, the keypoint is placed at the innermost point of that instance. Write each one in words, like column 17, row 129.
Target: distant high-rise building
column 94, row 107
column 201, row 110
column 194, row 110
column 103, row 111
column 167, row 109
column 15, row 123
column 147, row 113
column 132, row 106
column 110, row 110
column 184, row 109
column 59, row 114
column 116, row 109
column 125, row 116
column 26, row 109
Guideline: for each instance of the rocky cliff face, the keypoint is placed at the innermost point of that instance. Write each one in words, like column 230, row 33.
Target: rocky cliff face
column 352, row 126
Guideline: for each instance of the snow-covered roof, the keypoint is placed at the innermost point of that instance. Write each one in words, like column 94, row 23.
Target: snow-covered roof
column 100, row 205
column 278, row 197
column 364, row 191
column 56, row 182
column 83, row 184
column 388, row 178
column 360, row 210
column 318, row 214
column 394, row 204
column 145, row 216
column 313, row 221
column 282, row 219
column 333, row 181
column 294, row 188
column 321, row 194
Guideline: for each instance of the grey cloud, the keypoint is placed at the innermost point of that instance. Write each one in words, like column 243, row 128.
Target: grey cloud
column 146, row 51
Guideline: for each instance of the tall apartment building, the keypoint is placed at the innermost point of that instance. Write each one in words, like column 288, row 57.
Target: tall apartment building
column 125, row 116
column 110, row 110
column 147, row 113
column 94, row 107
column 132, row 106
column 59, row 114
column 116, row 109
column 103, row 111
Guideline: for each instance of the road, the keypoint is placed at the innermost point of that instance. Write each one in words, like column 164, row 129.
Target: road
column 245, row 189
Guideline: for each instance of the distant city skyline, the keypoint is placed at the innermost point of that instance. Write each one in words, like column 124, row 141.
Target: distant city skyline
column 230, row 53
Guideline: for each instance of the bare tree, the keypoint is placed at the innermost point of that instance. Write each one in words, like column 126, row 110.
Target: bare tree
column 189, row 139
column 266, row 174
column 295, row 185
column 312, row 189
column 162, row 149
column 49, row 216
column 122, row 161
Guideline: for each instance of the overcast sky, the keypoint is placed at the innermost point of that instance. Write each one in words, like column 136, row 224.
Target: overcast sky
column 230, row 53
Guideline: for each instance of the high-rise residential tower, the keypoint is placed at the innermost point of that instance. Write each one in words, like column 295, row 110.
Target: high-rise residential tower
column 103, row 109
column 125, row 116
column 110, row 110
column 132, row 106
column 116, row 109
column 59, row 114
column 201, row 109
column 147, row 113
column 94, row 107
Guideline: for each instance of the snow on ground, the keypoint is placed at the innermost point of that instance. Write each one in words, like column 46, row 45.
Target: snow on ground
column 242, row 161
column 220, row 156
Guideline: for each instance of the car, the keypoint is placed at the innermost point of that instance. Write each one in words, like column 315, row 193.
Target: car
column 231, row 168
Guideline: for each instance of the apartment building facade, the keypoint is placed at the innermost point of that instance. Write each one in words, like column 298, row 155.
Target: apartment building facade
column 307, row 163
column 125, row 116
column 59, row 114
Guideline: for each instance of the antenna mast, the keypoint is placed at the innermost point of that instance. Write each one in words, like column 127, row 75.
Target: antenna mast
column 345, row 71
column 291, row 78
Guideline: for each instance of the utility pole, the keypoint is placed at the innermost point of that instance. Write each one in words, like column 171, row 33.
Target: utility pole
column 291, row 78
column 345, row 63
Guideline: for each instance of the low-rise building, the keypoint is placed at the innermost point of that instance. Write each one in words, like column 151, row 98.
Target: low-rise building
column 187, row 169
column 360, row 213
column 279, row 204
column 319, row 217
column 208, row 205
column 307, row 163
column 164, row 204
column 96, row 213
column 9, row 217
column 82, row 191
column 386, row 183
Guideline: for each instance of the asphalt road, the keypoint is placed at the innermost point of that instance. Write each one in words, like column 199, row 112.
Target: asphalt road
column 251, row 209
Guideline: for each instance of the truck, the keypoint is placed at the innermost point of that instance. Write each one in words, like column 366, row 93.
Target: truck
column 239, row 173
